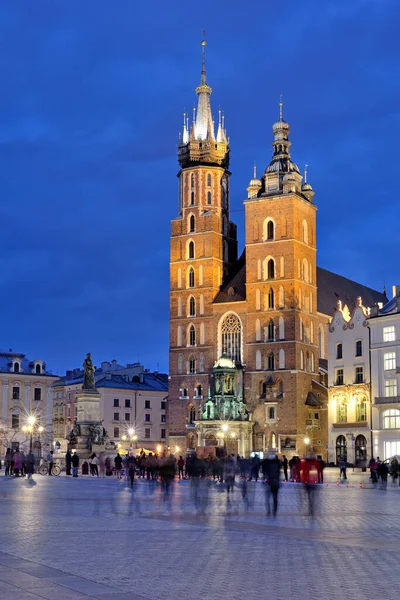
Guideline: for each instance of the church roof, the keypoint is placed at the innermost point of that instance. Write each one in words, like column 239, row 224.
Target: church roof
column 312, row 400
column 234, row 289
column 331, row 288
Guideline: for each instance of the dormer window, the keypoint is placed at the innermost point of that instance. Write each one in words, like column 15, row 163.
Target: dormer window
column 38, row 368
column 16, row 367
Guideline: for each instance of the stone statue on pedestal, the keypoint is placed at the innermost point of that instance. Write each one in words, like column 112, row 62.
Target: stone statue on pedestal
column 89, row 369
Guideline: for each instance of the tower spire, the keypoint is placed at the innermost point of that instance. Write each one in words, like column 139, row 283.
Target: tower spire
column 305, row 173
column 204, row 123
column 280, row 108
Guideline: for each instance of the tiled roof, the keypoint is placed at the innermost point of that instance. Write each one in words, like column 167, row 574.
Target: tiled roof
column 312, row 400
column 7, row 357
column 151, row 382
column 234, row 290
column 332, row 287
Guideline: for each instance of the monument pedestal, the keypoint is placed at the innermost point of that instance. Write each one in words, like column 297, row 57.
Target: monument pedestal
column 87, row 419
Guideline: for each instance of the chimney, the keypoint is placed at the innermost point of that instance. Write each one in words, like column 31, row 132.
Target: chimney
column 395, row 290
column 113, row 364
column 105, row 366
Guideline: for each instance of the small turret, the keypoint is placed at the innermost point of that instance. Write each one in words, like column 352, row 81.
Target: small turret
column 254, row 185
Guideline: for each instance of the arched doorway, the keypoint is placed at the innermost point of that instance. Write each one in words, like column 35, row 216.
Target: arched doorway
column 211, row 440
column 360, row 448
column 341, row 448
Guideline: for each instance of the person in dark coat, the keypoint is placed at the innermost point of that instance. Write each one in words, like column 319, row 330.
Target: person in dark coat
column 255, row 467
column 75, row 464
column 30, row 464
column 68, row 462
column 285, row 467
column 271, row 467
column 118, row 465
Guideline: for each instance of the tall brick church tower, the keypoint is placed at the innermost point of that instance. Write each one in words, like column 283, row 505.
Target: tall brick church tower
column 243, row 331
column 203, row 249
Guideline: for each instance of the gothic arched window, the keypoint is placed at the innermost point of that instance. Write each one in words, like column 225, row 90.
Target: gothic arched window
column 271, row 330
column 271, row 362
column 271, row 269
column 192, row 365
column 268, row 233
column 192, row 307
column 209, row 198
column 192, row 415
column 191, row 278
column 209, row 179
column 271, row 302
column 190, row 250
column 192, row 223
column 192, row 336
column 231, row 337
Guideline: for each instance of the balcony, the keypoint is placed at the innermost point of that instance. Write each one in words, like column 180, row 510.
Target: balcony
column 349, row 425
column 314, row 423
column 387, row 400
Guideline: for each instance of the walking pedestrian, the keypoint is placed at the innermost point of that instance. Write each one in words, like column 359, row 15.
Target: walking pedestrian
column 30, row 464
column 181, row 464
column 271, row 468
column 255, row 467
column 118, row 465
column 320, row 469
column 68, row 459
column 229, row 474
column 94, row 465
column 343, row 467
column 131, row 464
column 75, row 464
column 17, row 459
column 50, row 460
column 285, row 467
column 7, row 462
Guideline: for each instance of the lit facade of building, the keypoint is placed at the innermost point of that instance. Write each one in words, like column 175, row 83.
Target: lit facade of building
column 349, row 409
column 131, row 399
column 27, row 391
column 384, row 324
column 246, row 333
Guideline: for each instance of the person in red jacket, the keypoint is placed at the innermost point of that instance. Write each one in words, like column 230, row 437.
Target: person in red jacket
column 309, row 479
column 181, row 464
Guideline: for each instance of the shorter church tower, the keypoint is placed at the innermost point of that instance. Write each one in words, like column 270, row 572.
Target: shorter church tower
column 281, row 295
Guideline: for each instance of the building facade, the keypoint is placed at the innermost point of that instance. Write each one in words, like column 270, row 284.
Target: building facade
column 133, row 403
column 384, row 324
column 349, row 407
column 246, row 333
column 27, row 393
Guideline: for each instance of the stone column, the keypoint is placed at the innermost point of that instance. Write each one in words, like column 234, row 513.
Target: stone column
column 27, row 397
column 4, row 399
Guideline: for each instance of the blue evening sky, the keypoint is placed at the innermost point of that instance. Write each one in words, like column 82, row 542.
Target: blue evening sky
column 92, row 95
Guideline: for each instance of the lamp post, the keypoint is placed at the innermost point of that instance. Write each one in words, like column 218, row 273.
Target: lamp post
column 306, row 441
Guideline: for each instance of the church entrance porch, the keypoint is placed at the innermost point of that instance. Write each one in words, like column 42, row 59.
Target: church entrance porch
column 234, row 436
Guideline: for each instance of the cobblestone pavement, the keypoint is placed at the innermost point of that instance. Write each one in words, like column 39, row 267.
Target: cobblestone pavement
column 89, row 538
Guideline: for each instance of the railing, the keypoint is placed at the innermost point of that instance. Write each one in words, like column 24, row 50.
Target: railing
column 349, row 425
column 387, row 400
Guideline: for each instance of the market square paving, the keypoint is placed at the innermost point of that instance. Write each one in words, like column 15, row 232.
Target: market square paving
column 89, row 538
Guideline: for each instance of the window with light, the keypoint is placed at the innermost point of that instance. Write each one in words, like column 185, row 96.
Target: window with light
column 391, row 419
column 389, row 361
column 390, row 388
column 389, row 334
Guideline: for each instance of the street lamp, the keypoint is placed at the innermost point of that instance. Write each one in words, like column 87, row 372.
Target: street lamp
column 29, row 429
column 306, row 441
